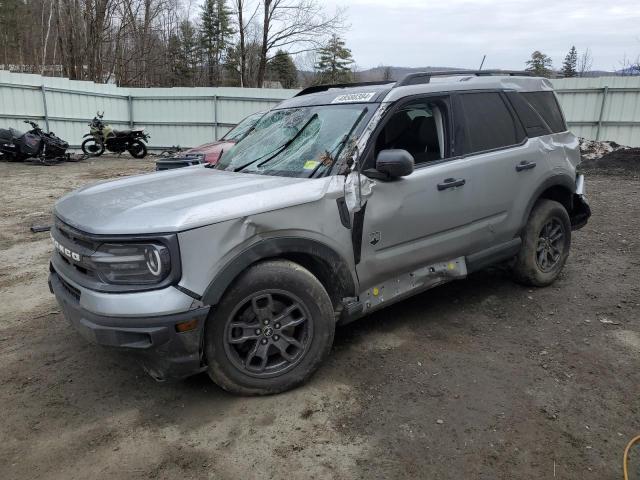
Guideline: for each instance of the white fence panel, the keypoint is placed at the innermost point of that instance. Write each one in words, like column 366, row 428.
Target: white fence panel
column 604, row 108
column 172, row 116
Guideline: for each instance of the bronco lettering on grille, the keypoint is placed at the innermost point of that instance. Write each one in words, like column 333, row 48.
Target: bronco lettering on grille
column 65, row 251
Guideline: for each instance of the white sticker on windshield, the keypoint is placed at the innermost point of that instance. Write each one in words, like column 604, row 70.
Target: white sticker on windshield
column 354, row 97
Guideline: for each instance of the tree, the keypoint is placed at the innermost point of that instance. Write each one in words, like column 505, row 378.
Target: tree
column 187, row 53
column 302, row 23
column 570, row 64
column 539, row 65
column 334, row 62
column 215, row 33
column 283, row 69
column 584, row 63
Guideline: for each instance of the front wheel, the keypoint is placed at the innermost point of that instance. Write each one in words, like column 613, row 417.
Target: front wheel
column 545, row 244
column 138, row 149
column 92, row 147
column 272, row 329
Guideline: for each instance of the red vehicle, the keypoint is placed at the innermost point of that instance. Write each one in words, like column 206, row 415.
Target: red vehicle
column 210, row 152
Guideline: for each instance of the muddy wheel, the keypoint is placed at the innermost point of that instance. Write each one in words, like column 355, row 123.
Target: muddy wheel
column 545, row 245
column 137, row 149
column 272, row 329
column 92, row 147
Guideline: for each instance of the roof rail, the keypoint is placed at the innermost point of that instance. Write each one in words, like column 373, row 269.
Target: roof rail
column 425, row 77
column 412, row 79
column 324, row 88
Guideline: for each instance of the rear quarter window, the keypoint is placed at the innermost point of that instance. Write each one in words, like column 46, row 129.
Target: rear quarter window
column 546, row 104
column 489, row 122
column 532, row 122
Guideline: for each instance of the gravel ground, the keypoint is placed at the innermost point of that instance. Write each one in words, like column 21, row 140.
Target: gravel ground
column 480, row 378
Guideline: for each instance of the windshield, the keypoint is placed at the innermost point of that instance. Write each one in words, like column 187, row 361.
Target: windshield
column 296, row 142
column 238, row 132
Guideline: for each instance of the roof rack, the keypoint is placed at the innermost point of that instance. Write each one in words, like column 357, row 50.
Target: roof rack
column 324, row 88
column 425, row 77
column 413, row 79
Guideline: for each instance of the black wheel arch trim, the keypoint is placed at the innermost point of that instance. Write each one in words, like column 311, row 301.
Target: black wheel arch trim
column 559, row 180
column 280, row 247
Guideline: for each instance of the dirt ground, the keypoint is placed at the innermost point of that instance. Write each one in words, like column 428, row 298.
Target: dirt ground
column 478, row 379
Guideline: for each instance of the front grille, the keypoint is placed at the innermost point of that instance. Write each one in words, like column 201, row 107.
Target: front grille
column 73, row 291
column 79, row 243
column 75, row 236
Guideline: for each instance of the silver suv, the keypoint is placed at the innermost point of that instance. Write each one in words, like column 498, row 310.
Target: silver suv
column 344, row 199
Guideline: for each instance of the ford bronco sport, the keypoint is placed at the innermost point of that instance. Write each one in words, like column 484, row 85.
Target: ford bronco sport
column 342, row 200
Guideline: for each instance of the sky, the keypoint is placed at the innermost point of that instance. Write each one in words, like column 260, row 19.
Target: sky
column 457, row 33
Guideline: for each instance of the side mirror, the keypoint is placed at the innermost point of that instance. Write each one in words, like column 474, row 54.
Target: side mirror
column 395, row 163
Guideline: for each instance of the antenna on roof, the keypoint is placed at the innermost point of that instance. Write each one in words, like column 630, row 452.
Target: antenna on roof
column 484, row 57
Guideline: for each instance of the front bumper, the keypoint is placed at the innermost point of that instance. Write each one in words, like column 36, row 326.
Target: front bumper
column 163, row 352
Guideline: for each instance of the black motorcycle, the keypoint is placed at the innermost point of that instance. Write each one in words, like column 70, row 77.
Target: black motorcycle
column 34, row 144
column 102, row 136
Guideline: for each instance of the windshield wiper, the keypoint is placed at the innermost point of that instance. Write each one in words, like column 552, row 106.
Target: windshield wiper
column 280, row 149
column 329, row 159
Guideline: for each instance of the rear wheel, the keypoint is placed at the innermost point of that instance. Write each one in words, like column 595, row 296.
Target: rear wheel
column 545, row 244
column 138, row 149
column 271, row 331
column 92, row 147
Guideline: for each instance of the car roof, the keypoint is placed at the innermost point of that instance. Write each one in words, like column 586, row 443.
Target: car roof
column 414, row 84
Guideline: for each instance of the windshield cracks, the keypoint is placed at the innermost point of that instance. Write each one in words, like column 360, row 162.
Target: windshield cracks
column 297, row 142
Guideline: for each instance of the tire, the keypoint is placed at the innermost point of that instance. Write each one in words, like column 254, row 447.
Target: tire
column 92, row 147
column 249, row 325
column 544, row 253
column 138, row 149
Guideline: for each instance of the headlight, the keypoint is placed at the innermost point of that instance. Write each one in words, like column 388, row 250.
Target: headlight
column 132, row 263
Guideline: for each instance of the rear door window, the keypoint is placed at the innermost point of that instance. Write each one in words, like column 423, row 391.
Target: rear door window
column 489, row 122
column 546, row 105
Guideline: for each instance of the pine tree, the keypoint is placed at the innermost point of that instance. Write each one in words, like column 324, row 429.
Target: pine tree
column 215, row 33
column 570, row 64
column 539, row 65
column 187, row 53
column 283, row 69
column 334, row 63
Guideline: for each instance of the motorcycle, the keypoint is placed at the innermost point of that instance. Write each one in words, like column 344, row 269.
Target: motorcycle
column 45, row 147
column 103, row 136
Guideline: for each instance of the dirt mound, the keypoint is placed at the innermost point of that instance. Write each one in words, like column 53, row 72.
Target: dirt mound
column 622, row 161
column 592, row 149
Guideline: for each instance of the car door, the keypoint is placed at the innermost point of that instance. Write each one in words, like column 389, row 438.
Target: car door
column 425, row 217
column 509, row 167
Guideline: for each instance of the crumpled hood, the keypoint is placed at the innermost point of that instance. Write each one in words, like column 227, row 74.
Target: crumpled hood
column 181, row 199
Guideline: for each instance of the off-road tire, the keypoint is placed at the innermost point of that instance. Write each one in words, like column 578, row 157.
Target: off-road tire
column 138, row 149
column 527, row 267
column 268, row 276
column 86, row 151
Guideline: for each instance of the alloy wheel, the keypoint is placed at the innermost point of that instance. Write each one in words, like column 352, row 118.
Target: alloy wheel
column 268, row 333
column 550, row 246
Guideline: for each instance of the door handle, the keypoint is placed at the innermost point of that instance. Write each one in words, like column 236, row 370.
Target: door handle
column 524, row 165
column 451, row 183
